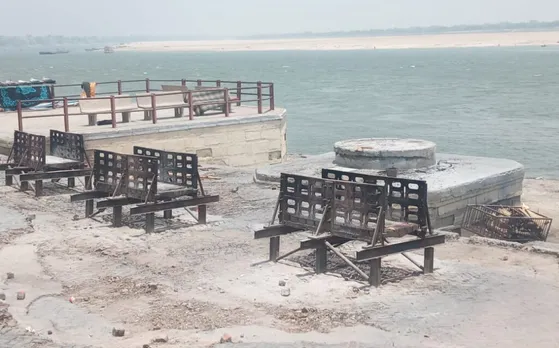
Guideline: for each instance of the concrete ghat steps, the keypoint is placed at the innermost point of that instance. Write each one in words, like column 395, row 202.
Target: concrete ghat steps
column 453, row 183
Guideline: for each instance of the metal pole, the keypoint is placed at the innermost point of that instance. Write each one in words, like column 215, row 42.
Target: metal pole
column 199, row 83
column 272, row 99
column 239, row 90
column 113, row 111
column 183, row 82
column 153, row 109
column 218, row 83
column 53, row 103
column 226, row 98
column 66, row 118
column 259, row 96
column 19, row 116
column 147, row 86
column 119, row 86
column 190, row 107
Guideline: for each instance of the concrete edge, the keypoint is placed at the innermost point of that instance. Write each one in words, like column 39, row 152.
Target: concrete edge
column 544, row 248
column 277, row 116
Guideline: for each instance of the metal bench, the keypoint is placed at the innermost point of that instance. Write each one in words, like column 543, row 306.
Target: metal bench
column 160, row 181
column 163, row 100
column 406, row 198
column 29, row 160
column 123, row 104
column 337, row 212
column 203, row 96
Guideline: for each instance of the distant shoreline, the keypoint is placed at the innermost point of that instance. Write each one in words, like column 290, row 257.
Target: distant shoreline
column 477, row 39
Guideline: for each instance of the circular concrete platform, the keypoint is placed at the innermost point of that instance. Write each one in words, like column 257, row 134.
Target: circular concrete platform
column 384, row 153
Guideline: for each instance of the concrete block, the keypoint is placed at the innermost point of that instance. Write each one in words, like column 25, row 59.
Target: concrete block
column 271, row 134
column 252, row 135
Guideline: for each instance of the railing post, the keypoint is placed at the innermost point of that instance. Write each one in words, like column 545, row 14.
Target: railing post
column 153, row 109
column 66, row 117
column 239, row 92
column 259, row 96
column 272, row 98
column 190, row 106
column 52, row 96
column 183, row 82
column 19, row 116
column 119, row 87
column 226, row 98
column 218, row 83
column 199, row 83
column 113, row 111
column 147, row 85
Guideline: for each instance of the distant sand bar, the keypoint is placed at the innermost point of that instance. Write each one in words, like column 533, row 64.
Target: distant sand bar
column 359, row 43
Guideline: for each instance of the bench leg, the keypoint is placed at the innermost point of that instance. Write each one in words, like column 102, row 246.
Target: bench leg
column 147, row 115
column 202, row 216
column 38, row 188
column 150, row 222
column 88, row 208
column 71, row 182
column 374, row 272
column 117, row 216
column 428, row 260
column 168, row 214
column 274, row 248
column 126, row 117
column 24, row 186
column 9, row 180
column 179, row 112
column 321, row 258
column 92, row 119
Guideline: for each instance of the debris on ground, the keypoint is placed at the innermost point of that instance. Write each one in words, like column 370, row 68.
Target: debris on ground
column 226, row 338
column 21, row 295
column 118, row 332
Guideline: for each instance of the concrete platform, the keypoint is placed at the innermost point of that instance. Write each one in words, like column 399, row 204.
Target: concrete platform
column 383, row 153
column 453, row 183
column 242, row 139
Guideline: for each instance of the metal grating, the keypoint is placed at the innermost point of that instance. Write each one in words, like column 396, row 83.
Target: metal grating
column 19, row 148
column 302, row 201
column 29, row 150
column 109, row 170
column 174, row 167
column 141, row 178
column 506, row 223
column 356, row 208
column 406, row 198
column 67, row 145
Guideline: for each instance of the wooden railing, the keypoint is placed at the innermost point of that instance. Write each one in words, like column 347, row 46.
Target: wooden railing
column 244, row 93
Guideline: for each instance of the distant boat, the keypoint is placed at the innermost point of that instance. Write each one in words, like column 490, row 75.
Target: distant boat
column 54, row 52
column 109, row 49
column 93, row 49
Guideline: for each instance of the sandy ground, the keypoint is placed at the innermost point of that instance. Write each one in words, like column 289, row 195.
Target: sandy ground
column 358, row 43
column 191, row 284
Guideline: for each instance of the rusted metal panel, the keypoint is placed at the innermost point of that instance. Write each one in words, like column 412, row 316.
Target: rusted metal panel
column 67, row 145
column 406, row 198
column 302, row 201
column 174, row 167
column 141, row 177
column 109, row 170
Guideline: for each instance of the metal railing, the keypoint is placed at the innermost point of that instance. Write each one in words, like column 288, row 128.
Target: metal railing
column 244, row 93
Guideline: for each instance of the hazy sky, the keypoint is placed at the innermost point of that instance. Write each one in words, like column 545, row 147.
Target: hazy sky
column 247, row 17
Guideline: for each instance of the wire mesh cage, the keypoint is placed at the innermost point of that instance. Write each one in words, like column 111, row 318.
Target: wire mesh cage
column 518, row 224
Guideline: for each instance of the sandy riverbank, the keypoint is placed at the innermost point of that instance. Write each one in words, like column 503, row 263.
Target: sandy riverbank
column 189, row 285
column 358, row 43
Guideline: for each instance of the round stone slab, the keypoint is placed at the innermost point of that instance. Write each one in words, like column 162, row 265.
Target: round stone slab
column 384, row 153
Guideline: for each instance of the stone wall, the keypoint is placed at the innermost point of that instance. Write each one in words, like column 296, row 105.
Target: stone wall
column 245, row 144
column 231, row 141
